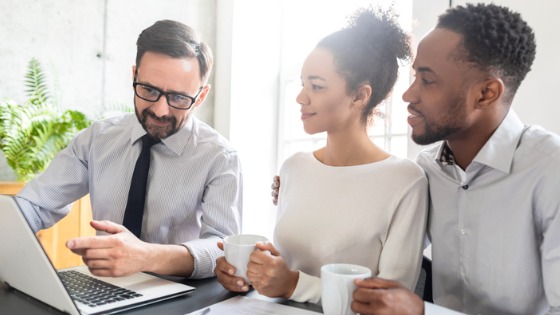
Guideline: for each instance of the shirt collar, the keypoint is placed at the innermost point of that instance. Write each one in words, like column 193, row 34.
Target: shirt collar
column 175, row 142
column 498, row 151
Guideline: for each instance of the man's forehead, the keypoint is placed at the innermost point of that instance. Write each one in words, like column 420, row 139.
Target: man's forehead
column 436, row 48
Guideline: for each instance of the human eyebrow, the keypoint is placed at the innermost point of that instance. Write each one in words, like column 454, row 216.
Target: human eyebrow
column 315, row 77
column 424, row 70
column 161, row 90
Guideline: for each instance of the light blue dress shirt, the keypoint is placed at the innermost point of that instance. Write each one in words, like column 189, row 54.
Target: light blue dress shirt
column 495, row 227
column 194, row 192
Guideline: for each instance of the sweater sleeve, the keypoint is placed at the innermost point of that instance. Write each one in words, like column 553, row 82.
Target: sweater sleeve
column 402, row 253
column 308, row 289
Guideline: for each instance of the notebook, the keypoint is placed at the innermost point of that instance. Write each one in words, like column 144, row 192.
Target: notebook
column 25, row 267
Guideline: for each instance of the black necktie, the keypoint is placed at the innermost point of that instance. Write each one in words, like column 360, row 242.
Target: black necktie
column 137, row 193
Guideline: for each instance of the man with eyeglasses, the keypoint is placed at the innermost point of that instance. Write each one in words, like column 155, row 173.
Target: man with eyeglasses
column 193, row 194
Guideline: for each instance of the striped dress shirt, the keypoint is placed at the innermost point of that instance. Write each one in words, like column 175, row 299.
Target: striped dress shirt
column 495, row 226
column 194, row 192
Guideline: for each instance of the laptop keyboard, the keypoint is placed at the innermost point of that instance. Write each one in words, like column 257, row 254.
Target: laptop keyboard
column 91, row 291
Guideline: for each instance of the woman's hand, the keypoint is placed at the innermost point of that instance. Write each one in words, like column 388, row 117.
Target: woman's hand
column 269, row 274
column 225, row 274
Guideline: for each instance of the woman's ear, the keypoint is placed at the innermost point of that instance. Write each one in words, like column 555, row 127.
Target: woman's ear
column 489, row 92
column 362, row 95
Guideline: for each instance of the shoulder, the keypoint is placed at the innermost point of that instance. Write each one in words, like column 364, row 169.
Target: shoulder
column 540, row 142
column 300, row 157
column 112, row 126
column 297, row 159
column 404, row 167
column 204, row 135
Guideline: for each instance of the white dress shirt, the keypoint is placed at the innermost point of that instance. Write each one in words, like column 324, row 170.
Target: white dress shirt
column 194, row 192
column 495, row 227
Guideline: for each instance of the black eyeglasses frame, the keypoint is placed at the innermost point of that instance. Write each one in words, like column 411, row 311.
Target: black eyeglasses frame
column 166, row 94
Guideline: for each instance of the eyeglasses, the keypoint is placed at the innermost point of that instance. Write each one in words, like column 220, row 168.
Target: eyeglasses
column 175, row 100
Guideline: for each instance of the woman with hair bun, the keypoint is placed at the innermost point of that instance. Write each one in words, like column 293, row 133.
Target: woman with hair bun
column 350, row 201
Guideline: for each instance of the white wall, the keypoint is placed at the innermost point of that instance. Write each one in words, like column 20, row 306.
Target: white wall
column 536, row 100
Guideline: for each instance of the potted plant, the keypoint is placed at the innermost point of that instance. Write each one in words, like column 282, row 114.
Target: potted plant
column 32, row 133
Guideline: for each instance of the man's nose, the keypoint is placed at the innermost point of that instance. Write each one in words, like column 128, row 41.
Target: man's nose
column 160, row 108
column 410, row 95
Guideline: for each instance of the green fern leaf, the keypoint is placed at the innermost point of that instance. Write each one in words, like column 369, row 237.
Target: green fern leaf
column 37, row 90
column 33, row 133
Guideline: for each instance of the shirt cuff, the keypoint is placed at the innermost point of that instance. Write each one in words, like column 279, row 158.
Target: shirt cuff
column 432, row 309
column 204, row 252
column 308, row 289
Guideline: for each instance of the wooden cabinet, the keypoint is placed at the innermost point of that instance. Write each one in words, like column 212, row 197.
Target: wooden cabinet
column 53, row 240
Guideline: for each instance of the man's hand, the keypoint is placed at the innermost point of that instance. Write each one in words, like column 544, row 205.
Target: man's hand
column 269, row 274
column 383, row 297
column 275, row 188
column 115, row 255
column 225, row 274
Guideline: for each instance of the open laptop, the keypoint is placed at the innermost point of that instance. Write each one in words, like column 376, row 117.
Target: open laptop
column 25, row 267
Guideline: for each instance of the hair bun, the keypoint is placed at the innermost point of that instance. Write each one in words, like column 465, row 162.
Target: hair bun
column 380, row 29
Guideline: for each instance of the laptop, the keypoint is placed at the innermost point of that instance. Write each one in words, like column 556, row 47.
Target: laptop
column 25, row 267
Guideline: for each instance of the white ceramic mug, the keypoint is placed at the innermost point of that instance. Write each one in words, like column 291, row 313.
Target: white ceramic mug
column 337, row 282
column 238, row 248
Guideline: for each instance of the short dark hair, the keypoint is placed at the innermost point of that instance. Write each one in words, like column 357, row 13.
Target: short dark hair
column 176, row 40
column 367, row 51
column 495, row 40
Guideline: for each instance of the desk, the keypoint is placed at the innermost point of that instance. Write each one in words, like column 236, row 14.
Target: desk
column 208, row 292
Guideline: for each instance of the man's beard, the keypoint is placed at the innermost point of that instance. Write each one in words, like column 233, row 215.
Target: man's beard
column 434, row 135
column 157, row 132
column 451, row 125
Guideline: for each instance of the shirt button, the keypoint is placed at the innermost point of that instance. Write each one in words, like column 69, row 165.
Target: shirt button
column 463, row 232
column 465, row 187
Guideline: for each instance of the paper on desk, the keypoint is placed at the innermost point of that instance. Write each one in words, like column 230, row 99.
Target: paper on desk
column 241, row 305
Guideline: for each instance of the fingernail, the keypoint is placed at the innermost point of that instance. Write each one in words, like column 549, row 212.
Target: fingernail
column 70, row 244
column 240, row 283
column 230, row 271
column 245, row 288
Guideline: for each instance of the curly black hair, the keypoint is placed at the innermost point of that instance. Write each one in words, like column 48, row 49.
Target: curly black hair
column 368, row 51
column 495, row 39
